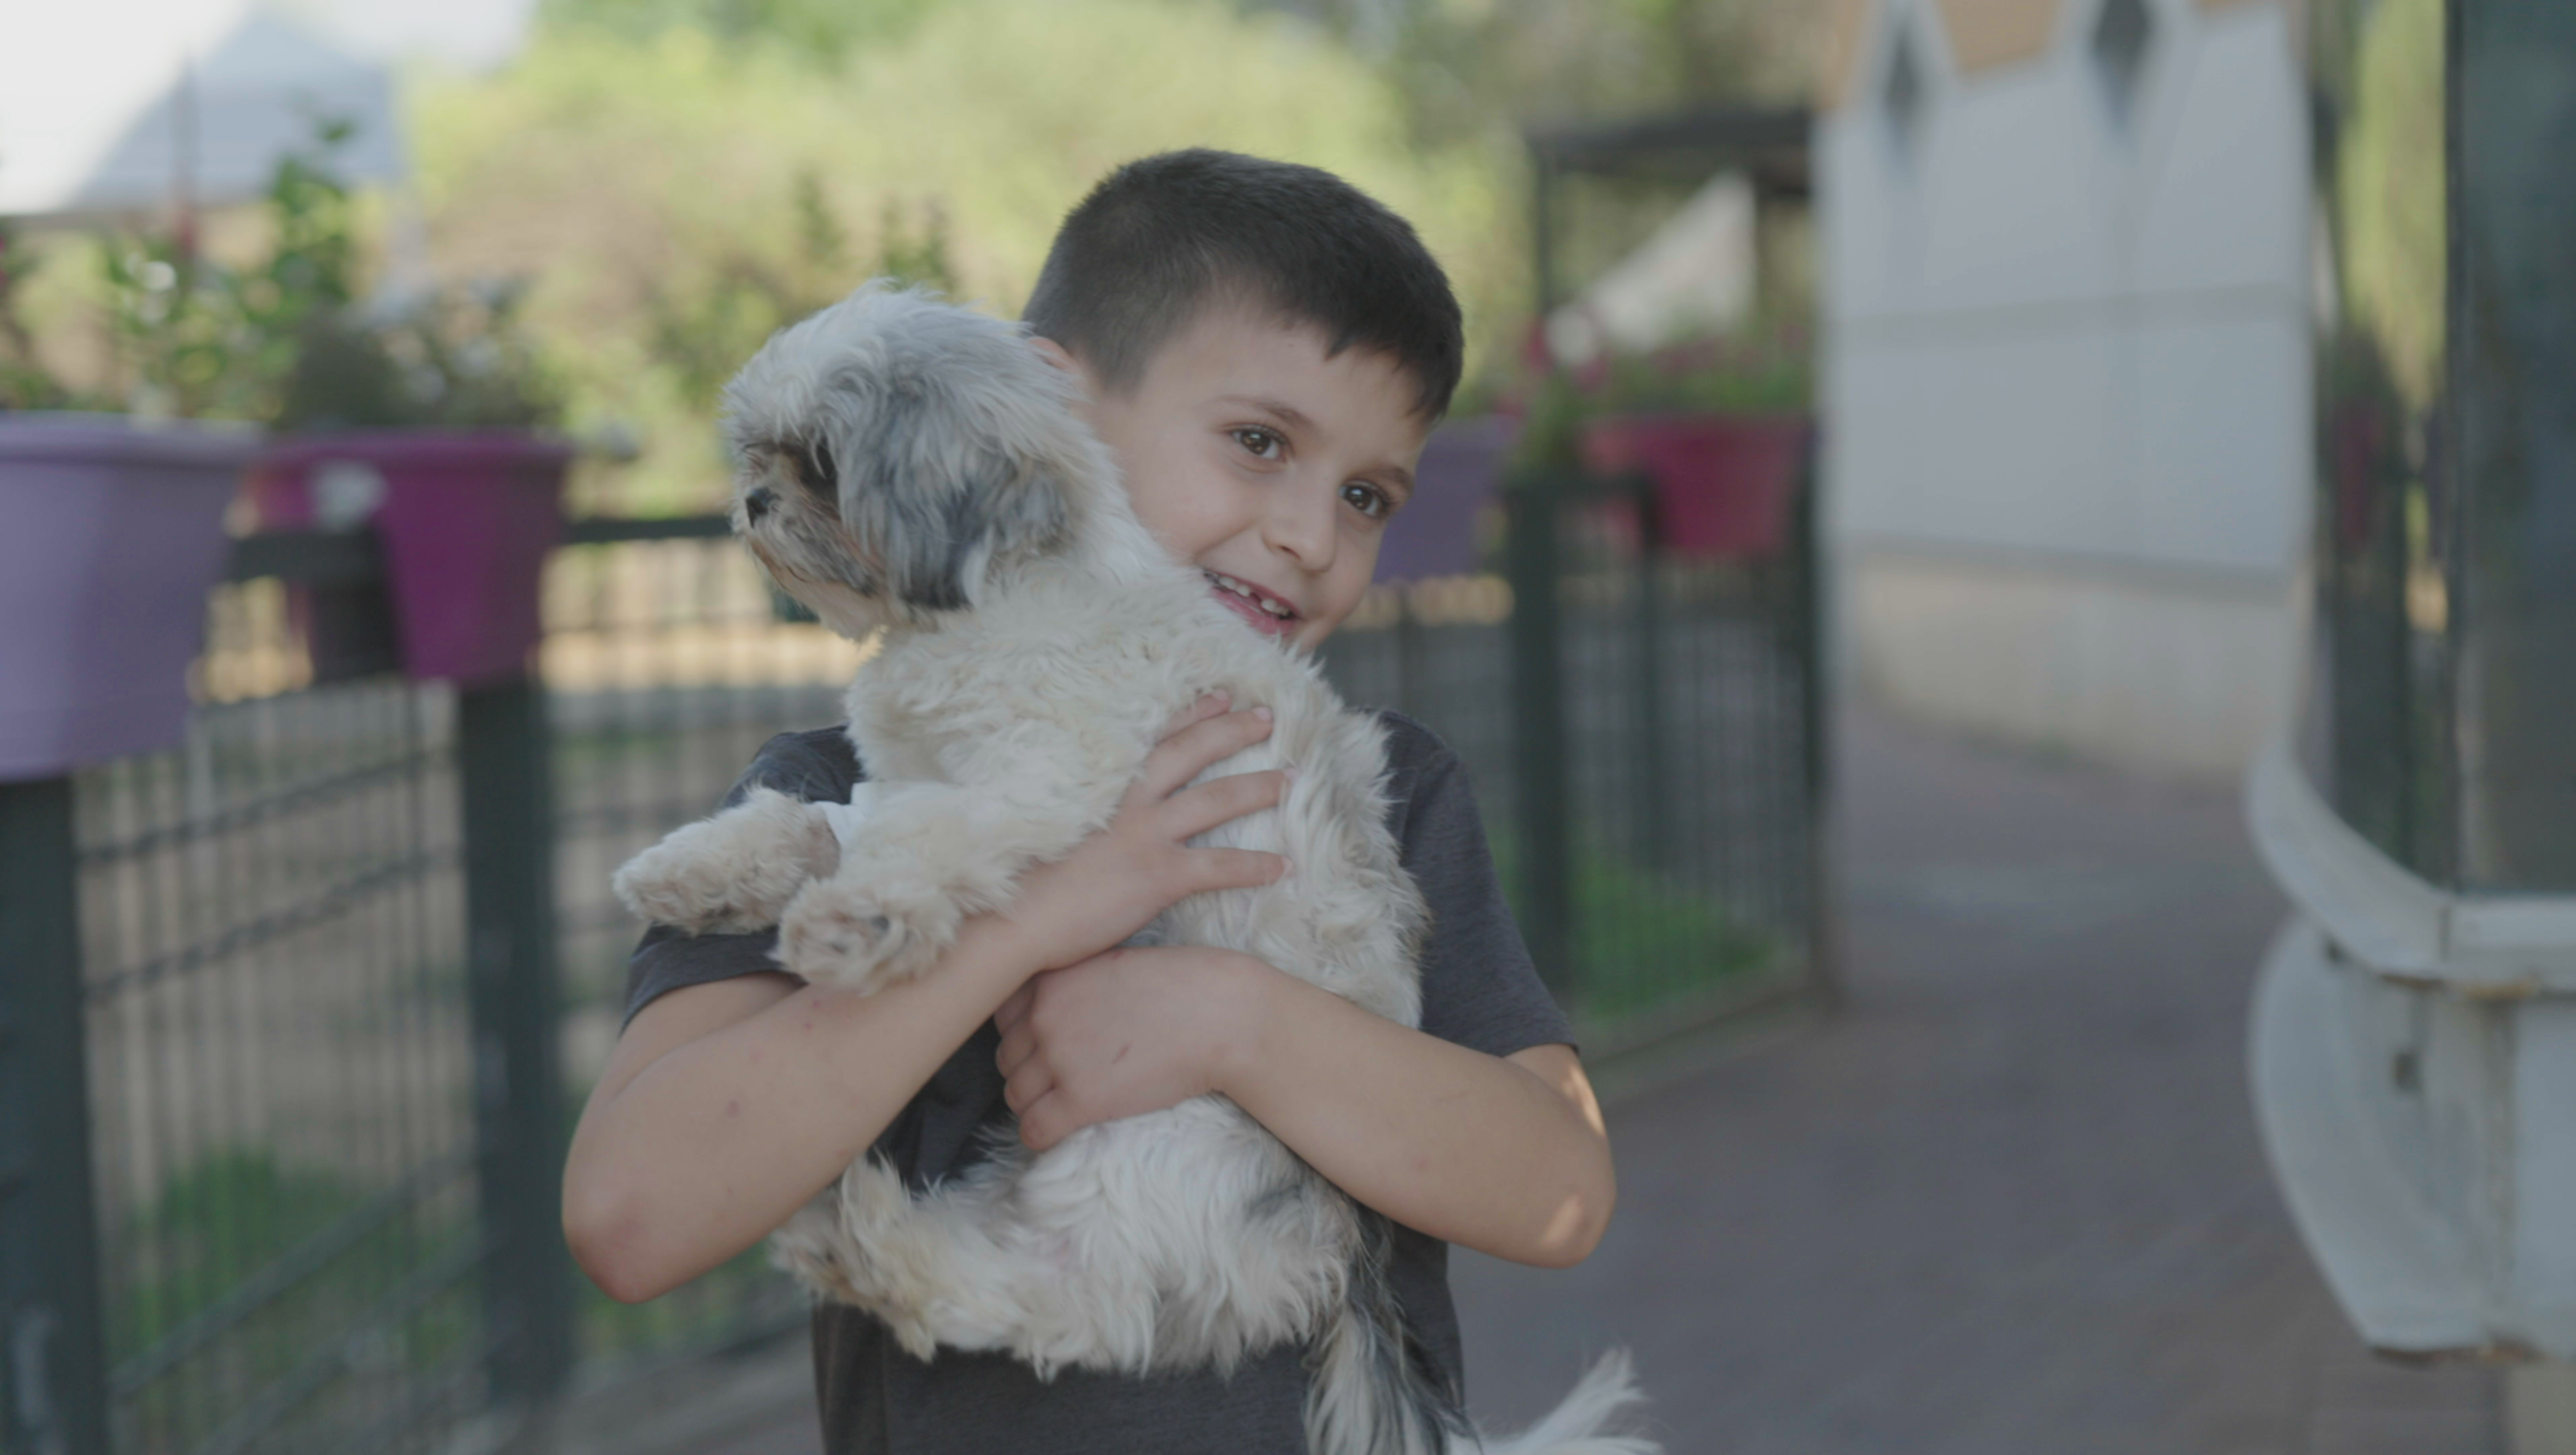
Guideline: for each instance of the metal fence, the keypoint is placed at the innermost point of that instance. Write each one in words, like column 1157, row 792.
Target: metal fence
column 1646, row 735
column 667, row 665
column 283, row 1154
column 263, row 1073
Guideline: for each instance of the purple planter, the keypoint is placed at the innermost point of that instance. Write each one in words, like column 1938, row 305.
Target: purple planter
column 1723, row 484
column 115, row 534
column 466, row 518
column 1461, row 472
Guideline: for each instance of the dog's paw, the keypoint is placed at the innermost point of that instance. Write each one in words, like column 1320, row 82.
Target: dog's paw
column 733, row 873
column 858, row 1244
column 810, row 1250
column 671, row 884
column 911, row 1332
column 862, row 940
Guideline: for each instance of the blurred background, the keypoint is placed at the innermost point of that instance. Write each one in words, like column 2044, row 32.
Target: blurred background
column 2002, row 569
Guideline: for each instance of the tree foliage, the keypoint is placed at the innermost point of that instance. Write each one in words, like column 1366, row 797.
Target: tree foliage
column 27, row 381
column 1467, row 65
column 283, row 324
column 822, row 32
column 197, row 335
column 676, row 194
column 681, row 177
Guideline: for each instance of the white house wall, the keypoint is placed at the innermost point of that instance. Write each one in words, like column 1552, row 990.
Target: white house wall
column 2067, row 384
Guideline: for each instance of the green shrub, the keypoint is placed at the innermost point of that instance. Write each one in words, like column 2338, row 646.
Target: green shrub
column 222, row 1221
column 1642, row 942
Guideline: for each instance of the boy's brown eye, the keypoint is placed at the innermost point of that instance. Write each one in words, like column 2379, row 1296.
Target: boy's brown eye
column 1368, row 499
column 1259, row 441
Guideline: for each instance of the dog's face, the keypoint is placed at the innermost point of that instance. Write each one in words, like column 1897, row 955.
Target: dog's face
column 894, row 450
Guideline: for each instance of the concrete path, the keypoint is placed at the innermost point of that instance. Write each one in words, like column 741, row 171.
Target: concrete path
column 2009, row 1201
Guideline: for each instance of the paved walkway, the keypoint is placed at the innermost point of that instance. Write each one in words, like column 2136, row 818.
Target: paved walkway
column 2010, row 1201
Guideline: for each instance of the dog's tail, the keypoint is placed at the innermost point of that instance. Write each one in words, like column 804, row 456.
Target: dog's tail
column 1576, row 1425
column 1377, row 1391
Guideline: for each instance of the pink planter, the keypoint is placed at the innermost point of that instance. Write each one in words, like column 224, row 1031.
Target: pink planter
column 1723, row 485
column 115, row 535
column 466, row 518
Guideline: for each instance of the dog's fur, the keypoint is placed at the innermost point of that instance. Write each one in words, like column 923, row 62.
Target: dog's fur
column 910, row 466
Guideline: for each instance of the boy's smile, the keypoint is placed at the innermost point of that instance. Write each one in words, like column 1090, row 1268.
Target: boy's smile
column 1271, row 466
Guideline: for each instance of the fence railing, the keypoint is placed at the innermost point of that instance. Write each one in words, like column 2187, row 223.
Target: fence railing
column 296, row 1011
column 278, row 1002
column 667, row 665
column 1646, row 732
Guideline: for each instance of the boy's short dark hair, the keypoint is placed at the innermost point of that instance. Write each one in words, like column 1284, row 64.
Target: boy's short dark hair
column 1161, row 237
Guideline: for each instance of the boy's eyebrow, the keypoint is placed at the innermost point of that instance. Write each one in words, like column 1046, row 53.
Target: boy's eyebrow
column 1295, row 418
column 1289, row 414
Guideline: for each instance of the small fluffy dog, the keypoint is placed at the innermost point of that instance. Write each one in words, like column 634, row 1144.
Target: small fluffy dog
column 910, row 466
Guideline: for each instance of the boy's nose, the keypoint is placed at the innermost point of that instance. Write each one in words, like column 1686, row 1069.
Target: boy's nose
column 1298, row 524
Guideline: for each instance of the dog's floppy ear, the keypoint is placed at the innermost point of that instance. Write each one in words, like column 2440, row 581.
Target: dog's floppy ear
column 940, row 485
column 928, row 443
column 938, row 542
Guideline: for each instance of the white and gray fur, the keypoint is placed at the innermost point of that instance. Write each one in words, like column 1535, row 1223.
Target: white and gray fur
column 910, row 467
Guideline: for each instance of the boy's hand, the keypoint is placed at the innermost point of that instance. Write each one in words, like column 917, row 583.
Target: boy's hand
column 1122, row 1034
column 1140, row 864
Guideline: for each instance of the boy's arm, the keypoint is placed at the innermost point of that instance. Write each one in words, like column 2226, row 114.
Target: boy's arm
column 726, row 1106
column 1502, row 1152
column 1505, row 1155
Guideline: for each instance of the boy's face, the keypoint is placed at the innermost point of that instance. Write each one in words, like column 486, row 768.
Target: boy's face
column 1253, row 456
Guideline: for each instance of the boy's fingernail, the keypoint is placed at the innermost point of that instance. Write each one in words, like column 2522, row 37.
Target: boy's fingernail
column 1288, row 775
column 1262, row 713
column 1287, row 868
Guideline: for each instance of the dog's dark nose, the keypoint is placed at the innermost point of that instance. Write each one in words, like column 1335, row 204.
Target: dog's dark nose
column 758, row 504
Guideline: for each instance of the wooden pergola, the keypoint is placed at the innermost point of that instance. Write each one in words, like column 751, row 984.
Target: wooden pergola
column 1770, row 144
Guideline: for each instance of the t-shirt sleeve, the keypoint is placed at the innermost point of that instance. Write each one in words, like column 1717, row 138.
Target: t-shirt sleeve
column 1479, row 987
column 815, row 766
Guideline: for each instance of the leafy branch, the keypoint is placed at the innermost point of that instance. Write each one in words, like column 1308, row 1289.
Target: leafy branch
column 288, row 339
column 705, row 332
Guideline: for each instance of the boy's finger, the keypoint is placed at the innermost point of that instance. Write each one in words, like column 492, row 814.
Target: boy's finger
column 1202, row 806
column 1187, row 753
column 1235, row 868
column 1038, row 1129
column 1017, row 1045
column 1026, row 1090
column 1205, row 707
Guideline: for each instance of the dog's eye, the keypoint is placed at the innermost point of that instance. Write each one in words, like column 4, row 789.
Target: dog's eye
column 814, row 467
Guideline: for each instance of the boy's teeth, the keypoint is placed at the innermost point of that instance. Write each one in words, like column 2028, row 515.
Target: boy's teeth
column 1238, row 588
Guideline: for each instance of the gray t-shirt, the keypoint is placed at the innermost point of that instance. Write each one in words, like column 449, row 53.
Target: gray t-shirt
column 1478, row 990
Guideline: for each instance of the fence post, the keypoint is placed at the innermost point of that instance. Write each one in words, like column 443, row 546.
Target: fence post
column 1654, row 790
column 1811, row 647
column 1412, row 659
column 1538, row 732
column 508, row 804
column 53, row 1340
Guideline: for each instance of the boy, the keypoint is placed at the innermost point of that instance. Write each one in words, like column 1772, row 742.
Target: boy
column 1264, row 349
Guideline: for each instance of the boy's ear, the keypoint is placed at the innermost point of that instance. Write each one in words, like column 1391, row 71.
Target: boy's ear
column 1063, row 358
column 1066, row 361
column 1054, row 353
